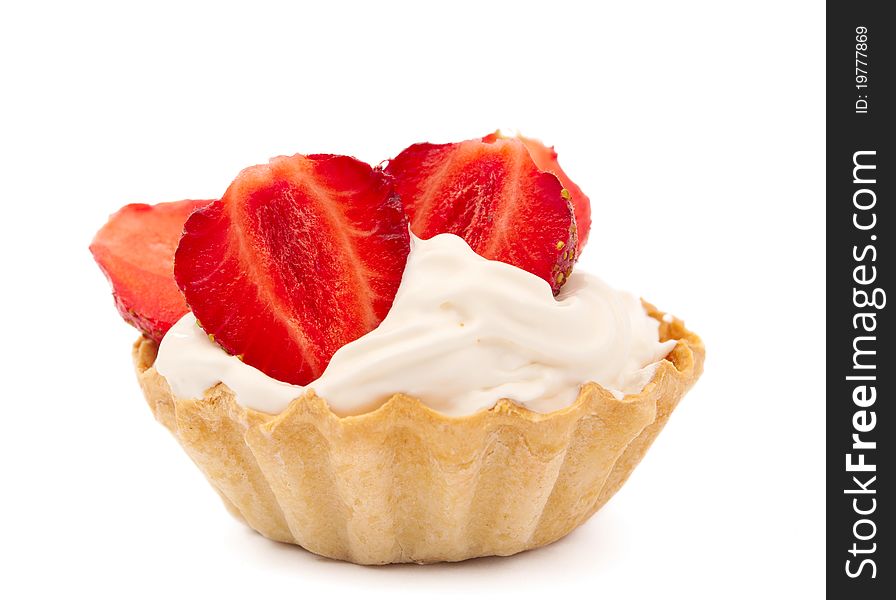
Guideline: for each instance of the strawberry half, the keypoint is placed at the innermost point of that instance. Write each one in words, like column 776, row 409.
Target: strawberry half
column 300, row 257
column 135, row 250
column 491, row 193
column 546, row 159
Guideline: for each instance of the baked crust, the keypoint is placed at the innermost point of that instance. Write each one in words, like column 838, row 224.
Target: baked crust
column 404, row 483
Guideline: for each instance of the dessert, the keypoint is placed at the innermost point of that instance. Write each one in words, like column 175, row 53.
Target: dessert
column 398, row 363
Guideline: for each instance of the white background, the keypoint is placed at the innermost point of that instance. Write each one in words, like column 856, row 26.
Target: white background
column 697, row 129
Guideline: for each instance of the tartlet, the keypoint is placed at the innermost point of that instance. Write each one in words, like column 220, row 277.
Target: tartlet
column 445, row 273
column 404, row 483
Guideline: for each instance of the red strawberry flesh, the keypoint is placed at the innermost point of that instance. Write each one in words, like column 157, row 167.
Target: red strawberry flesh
column 135, row 250
column 545, row 158
column 300, row 257
column 491, row 193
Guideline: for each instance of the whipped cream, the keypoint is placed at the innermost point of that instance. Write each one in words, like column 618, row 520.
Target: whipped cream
column 462, row 333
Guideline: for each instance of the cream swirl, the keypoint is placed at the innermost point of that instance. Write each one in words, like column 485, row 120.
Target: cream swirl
column 462, row 333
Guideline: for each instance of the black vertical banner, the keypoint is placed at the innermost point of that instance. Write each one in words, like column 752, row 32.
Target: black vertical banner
column 861, row 301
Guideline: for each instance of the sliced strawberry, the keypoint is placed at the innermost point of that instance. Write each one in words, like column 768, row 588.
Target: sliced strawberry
column 546, row 159
column 135, row 250
column 491, row 193
column 300, row 257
